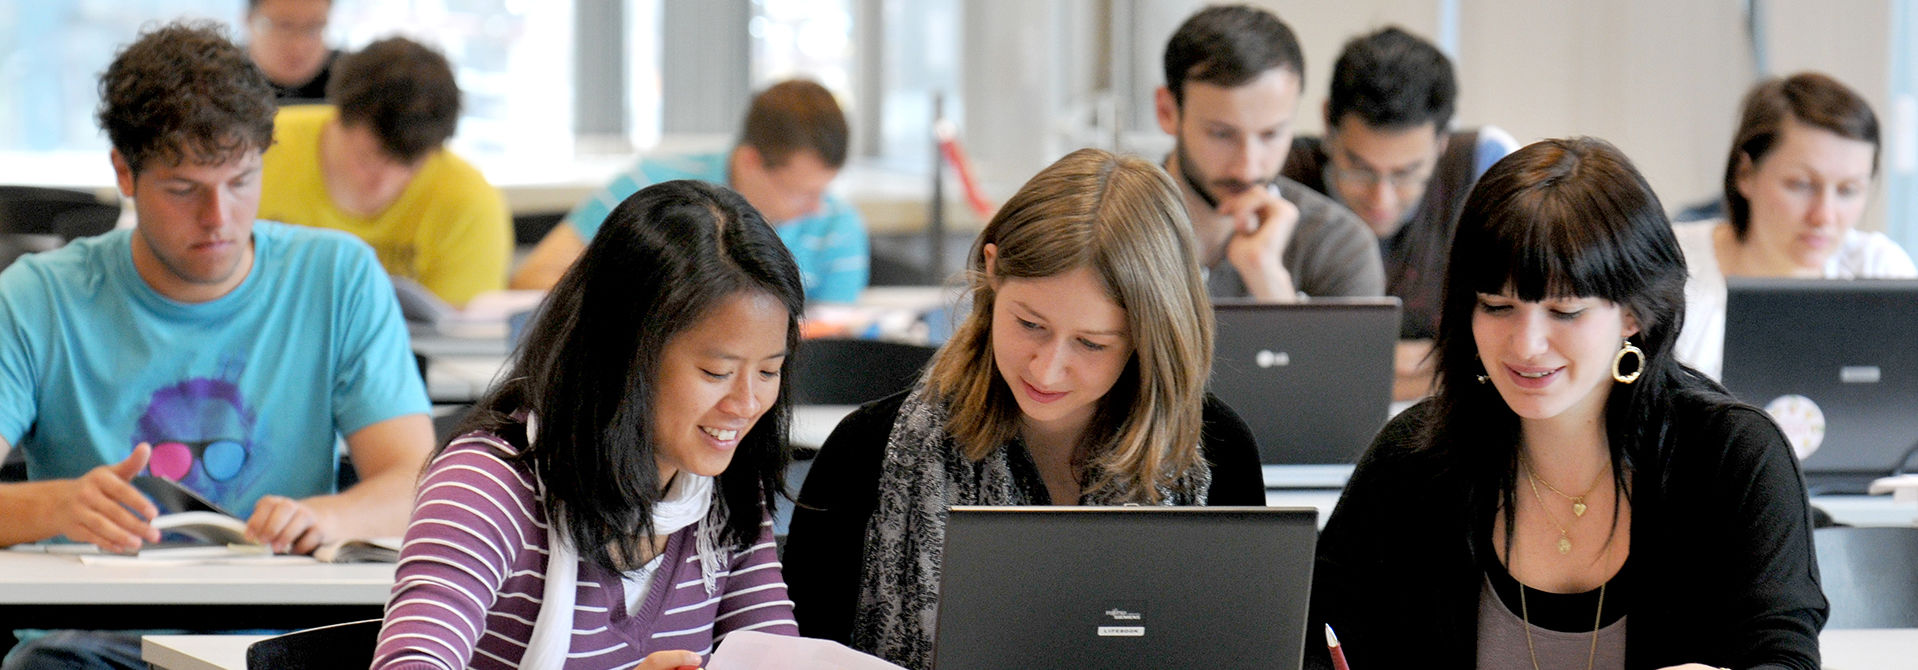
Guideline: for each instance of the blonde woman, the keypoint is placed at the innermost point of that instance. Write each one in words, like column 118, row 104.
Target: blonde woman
column 1078, row 378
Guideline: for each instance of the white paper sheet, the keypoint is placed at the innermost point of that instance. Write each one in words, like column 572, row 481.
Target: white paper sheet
column 753, row 650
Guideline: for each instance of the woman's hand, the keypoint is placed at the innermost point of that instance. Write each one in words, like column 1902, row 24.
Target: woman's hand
column 669, row 660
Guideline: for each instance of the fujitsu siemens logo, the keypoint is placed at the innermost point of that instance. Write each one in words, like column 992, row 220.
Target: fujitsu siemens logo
column 1267, row 358
column 1117, row 614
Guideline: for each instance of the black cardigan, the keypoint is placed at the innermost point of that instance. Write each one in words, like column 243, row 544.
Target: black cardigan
column 825, row 549
column 1722, row 557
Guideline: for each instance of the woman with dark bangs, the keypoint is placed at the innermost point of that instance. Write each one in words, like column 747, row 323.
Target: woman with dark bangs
column 1572, row 497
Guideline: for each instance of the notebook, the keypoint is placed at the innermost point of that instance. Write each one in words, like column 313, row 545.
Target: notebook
column 1312, row 379
column 1835, row 364
column 1125, row 587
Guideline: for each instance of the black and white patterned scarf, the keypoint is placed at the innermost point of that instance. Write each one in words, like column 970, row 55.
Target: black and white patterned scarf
column 923, row 476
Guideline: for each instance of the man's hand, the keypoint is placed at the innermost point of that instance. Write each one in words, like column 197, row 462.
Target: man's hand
column 101, row 507
column 1262, row 226
column 288, row 525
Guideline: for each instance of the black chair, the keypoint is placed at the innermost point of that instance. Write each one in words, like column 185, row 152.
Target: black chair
column 341, row 645
column 849, row 371
column 34, row 219
column 1870, row 576
column 68, row 214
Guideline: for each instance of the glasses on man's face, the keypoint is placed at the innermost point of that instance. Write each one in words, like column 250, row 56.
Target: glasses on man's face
column 1367, row 178
column 289, row 29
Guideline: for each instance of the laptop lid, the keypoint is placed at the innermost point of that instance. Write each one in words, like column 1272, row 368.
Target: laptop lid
column 1834, row 364
column 1125, row 587
column 1312, row 379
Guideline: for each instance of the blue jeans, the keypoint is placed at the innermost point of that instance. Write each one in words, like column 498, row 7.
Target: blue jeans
column 78, row 649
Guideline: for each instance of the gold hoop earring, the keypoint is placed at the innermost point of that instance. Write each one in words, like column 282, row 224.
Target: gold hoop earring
column 1637, row 370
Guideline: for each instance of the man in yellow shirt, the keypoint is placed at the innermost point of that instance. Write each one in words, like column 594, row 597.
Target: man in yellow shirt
column 375, row 165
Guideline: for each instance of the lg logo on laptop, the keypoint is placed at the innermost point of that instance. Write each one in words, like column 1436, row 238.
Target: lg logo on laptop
column 1267, row 358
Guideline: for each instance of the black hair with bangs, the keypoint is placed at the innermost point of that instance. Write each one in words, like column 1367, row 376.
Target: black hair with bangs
column 1558, row 219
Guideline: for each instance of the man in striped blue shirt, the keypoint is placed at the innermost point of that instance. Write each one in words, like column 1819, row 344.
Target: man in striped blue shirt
column 792, row 145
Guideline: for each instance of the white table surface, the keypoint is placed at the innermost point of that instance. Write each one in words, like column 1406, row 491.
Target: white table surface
column 37, row 578
column 1880, row 649
column 812, row 424
column 1869, row 649
column 197, row 652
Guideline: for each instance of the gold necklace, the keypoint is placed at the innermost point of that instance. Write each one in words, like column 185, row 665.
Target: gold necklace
column 1578, row 501
column 1525, row 615
column 1564, row 536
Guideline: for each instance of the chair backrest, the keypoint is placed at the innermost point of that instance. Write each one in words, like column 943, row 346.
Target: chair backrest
column 846, row 371
column 341, row 645
column 1870, row 576
column 33, row 210
column 35, row 219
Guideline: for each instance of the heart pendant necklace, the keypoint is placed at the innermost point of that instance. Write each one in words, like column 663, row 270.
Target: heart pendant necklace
column 1578, row 501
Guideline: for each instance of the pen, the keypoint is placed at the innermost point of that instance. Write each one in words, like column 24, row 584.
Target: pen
column 1332, row 646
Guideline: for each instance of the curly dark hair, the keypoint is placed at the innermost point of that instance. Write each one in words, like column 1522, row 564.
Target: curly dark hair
column 402, row 90
column 183, row 92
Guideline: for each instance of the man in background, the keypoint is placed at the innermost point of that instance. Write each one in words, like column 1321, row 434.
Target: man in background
column 287, row 40
column 375, row 164
column 1233, row 78
column 201, row 346
column 1389, row 154
column 792, row 145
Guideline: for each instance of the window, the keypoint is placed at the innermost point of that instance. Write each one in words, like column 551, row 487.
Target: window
column 504, row 53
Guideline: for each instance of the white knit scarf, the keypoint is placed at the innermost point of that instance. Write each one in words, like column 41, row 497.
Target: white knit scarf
column 689, row 499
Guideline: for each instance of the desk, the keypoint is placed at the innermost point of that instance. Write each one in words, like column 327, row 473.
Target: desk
column 39, row 590
column 1842, row 650
column 197, row 652
column 1875, row 649
column 812, row 424
column 460, row 380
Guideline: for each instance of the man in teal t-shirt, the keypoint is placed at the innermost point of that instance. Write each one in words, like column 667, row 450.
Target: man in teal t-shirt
column 793, row 144
column 202, row 347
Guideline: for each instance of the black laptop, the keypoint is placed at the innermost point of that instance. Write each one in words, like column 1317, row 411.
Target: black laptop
column 1125, row 587
column 1312, row 379
column 1836, row 364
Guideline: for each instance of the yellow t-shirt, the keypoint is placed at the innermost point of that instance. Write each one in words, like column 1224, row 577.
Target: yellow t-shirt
column 449, row 230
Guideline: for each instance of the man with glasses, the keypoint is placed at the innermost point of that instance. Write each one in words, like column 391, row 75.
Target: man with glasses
column 287, row 40
column 1233, row 76
column 1390, row 156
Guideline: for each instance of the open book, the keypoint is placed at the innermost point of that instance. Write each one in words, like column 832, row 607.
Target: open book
column 193, row 527
column 372, row 550
column 190, row 525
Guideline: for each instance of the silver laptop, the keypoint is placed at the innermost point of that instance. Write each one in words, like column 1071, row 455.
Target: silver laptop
column 1836, row 364
column 1312, row 379
column 1125, row 587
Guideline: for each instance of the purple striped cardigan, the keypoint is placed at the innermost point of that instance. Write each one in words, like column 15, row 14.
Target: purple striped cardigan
column 472, row 573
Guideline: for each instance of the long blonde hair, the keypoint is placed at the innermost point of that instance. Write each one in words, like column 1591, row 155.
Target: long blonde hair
column 1121, row 217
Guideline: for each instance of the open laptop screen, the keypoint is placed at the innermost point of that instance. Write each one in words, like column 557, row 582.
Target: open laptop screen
column 1125, row 587
column 1312, row 379
column 1835, row 364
